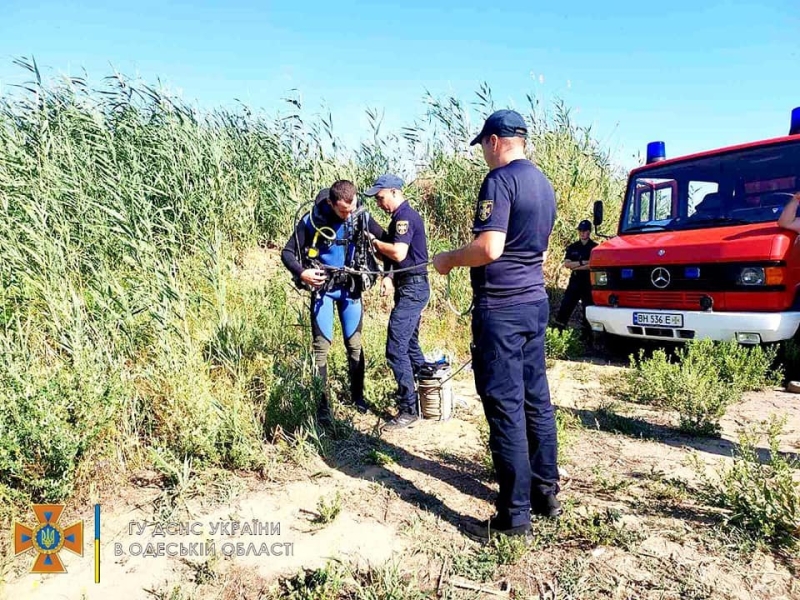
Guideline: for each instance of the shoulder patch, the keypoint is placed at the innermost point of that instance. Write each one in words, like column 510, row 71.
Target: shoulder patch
column 402, row 227
column 485, row 209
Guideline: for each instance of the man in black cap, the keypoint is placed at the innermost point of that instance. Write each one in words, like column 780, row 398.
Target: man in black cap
column 514, row 217
column 406, row 249
column 579, row 286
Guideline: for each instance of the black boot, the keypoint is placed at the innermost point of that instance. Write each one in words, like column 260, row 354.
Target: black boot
column 324, row 416
column 356, row 369
column 545, row 505
column 483, row 531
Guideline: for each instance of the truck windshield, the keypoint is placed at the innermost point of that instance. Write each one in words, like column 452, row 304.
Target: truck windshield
column 745, row 186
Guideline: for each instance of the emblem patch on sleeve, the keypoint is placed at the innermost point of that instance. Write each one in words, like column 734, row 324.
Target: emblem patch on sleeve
column 485, row 209
column 402, row 227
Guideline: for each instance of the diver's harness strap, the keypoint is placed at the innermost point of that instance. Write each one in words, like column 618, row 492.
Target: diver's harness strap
column 365, row 268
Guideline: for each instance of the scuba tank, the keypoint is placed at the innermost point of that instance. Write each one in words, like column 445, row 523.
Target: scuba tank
column 363, row 256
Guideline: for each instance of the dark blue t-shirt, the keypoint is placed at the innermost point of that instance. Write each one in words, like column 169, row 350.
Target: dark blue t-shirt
column 406, row 227
column 519, row 200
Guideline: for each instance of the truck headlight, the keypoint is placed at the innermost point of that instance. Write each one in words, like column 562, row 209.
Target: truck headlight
column 752, row 276
column 599, row 278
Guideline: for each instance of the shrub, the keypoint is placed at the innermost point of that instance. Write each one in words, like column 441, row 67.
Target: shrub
column 699, row 398
column 760, row 498
column 700, row 381
column 648, row 379
column 50, row 415
column 744, row 368
column 562, row 344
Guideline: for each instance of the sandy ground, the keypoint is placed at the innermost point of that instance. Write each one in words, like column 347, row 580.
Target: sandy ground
column 433, row 481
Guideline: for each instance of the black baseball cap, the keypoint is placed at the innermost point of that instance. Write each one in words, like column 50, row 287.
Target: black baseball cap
column 584, row 226
column 503, row 123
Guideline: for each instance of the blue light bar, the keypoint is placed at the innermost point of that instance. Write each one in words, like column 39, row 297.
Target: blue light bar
column 656, row 152
column 627, row 273
column 691, row 272
column 794, row 128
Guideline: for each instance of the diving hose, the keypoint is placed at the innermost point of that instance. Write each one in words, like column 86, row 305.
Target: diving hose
column 432, row 392
column 320, row 231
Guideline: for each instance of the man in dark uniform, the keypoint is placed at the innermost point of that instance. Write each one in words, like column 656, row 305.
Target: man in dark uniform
column 406, row 251
column 325, row 237
column 579, row 286
column 514, row 217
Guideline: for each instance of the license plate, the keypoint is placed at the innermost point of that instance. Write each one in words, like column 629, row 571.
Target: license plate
column 645, row 319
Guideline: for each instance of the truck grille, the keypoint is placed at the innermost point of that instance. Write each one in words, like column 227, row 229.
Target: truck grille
column 681, row 300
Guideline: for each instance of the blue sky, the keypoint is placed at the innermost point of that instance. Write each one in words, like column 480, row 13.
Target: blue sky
column 696, row 75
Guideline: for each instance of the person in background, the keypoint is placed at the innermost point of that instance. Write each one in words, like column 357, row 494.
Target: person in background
column 789, row 218
column 580, row 286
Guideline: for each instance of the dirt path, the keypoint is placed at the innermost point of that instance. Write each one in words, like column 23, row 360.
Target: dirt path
column 403, row 495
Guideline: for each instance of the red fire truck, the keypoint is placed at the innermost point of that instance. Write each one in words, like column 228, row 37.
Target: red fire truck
column 698, row 252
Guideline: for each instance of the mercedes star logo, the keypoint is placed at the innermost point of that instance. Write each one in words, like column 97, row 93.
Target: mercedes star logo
column 660, row 277
column 661, row 252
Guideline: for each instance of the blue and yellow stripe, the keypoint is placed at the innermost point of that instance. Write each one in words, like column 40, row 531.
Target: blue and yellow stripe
column 97, row 543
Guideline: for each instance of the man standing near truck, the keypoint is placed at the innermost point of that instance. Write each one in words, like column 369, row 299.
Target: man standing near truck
column 580, row 286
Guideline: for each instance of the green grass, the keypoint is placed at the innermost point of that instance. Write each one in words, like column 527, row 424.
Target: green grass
column 760, row 498
column 328, row 509
column 132, row 318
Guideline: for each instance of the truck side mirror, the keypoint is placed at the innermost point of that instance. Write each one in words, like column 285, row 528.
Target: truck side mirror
column 598, row 212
